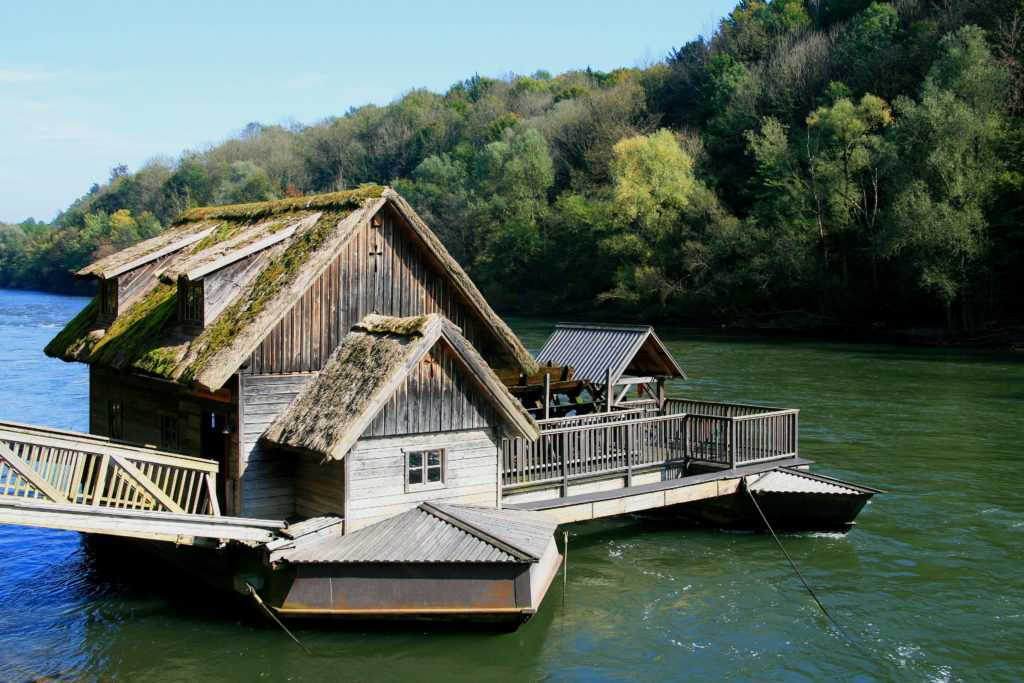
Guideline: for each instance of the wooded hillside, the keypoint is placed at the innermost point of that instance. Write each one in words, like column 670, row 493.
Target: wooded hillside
column 812, row 161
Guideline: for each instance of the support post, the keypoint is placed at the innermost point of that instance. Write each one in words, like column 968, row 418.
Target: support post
column 547, row 396
column 101, row 480
column 732, row 443
column 661, row 396
column 609, row 390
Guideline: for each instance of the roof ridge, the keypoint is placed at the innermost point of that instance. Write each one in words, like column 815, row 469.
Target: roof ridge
column 345, row 199
column 606, row 326
column 452, row 518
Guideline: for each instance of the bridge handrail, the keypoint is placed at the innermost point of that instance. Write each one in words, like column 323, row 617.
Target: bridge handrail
column 58, row 466
column 60, row 438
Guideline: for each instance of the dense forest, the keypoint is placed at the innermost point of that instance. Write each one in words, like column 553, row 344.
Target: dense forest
column 811, row 162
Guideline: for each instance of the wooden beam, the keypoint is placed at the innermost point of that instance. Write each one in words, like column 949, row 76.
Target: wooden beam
column 30, row 475
column 633, row 380
column 160, row 526
column 147, row 485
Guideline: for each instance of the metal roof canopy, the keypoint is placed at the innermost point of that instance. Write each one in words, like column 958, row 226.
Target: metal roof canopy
column 435, row 532
column 593, row 349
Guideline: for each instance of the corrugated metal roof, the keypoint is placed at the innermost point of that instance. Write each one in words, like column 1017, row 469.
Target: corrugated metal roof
column 438, row 533
column 592, row 349
column 794, row 481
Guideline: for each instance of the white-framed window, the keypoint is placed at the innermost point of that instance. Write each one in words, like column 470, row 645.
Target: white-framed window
column 425, row 469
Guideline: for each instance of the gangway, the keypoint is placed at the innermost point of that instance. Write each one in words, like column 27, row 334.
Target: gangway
column 82, row 482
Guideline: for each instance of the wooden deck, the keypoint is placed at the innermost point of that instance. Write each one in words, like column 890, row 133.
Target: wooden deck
column 627, row 443
column 577, row 508
column 182, row 529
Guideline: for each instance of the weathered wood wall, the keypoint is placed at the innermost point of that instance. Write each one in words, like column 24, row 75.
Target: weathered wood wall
column 437, row 396
column 267, row 475
column 381, row 270
column 143, row 400
column 376, row 474
column 319, row 487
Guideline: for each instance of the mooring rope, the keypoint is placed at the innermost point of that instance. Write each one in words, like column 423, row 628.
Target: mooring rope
column 270, row 613
column 565, row 563
column 792, row 564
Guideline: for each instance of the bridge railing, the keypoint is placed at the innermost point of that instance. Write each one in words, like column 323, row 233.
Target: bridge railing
column 69, row 467
column 729, row 435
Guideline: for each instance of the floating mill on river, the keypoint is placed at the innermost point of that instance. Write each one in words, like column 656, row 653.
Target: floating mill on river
column 310, row 401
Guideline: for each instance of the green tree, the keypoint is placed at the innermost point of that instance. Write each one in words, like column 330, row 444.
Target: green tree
column 947, row 166
column 652, row 180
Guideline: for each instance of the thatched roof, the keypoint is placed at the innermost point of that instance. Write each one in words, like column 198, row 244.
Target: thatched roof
column 334, row 409
column 298, row 239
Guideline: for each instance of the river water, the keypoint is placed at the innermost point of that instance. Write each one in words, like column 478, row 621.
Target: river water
column 929, row 586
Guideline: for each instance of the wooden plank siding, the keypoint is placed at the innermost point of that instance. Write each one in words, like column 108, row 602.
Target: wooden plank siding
column 376, row 474
column 267, row 475
column 143, row 400
column 381, row 270
column 437, row 396
column 319, row 486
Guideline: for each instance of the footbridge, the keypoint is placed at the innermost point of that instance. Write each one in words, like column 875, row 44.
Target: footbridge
column 82, row 482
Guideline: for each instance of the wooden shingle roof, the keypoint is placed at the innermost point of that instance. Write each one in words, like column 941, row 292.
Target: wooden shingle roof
column 334, row 409
column 296, row 240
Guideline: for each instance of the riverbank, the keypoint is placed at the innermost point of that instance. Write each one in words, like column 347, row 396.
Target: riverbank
column 798, row 325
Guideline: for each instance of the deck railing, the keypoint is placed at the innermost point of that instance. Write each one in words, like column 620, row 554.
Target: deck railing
column 69, row 467
column 578, row 452
column 571, row 449
column 591, row 419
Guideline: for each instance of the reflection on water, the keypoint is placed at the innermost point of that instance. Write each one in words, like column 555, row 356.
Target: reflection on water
column 929, row 584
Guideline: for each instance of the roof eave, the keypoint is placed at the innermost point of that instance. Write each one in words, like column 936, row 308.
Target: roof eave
column 464, row 284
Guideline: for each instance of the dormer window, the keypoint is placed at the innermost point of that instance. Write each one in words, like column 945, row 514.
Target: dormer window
column 108, row 297
column 190, row 302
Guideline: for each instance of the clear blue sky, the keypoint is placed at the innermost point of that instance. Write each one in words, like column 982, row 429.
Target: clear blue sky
column 85, row 86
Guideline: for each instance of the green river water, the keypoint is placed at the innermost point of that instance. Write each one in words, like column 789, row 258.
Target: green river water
column 930, row 585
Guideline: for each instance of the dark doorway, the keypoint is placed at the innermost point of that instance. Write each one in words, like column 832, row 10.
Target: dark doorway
column 214, row 440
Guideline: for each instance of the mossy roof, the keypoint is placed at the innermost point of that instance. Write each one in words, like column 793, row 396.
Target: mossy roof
column 364, row 371
column 301, row 236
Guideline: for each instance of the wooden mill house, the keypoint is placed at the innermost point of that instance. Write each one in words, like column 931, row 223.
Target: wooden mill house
column 317, row 386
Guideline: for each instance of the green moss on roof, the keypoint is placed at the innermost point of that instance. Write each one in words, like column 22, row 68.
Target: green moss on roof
column 271, row 280
column 405, row 327
column 76, row 338
column 347, row 200
column 136, row 338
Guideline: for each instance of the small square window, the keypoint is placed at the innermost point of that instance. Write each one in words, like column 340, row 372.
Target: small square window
column 424, row 468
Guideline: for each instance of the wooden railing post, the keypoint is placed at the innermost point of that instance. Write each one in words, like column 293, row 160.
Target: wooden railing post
column 564, row 438
column 732, row 443
column 101, row 480
column 796, row 435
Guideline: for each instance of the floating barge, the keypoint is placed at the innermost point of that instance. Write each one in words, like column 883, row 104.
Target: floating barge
column 310, row 399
